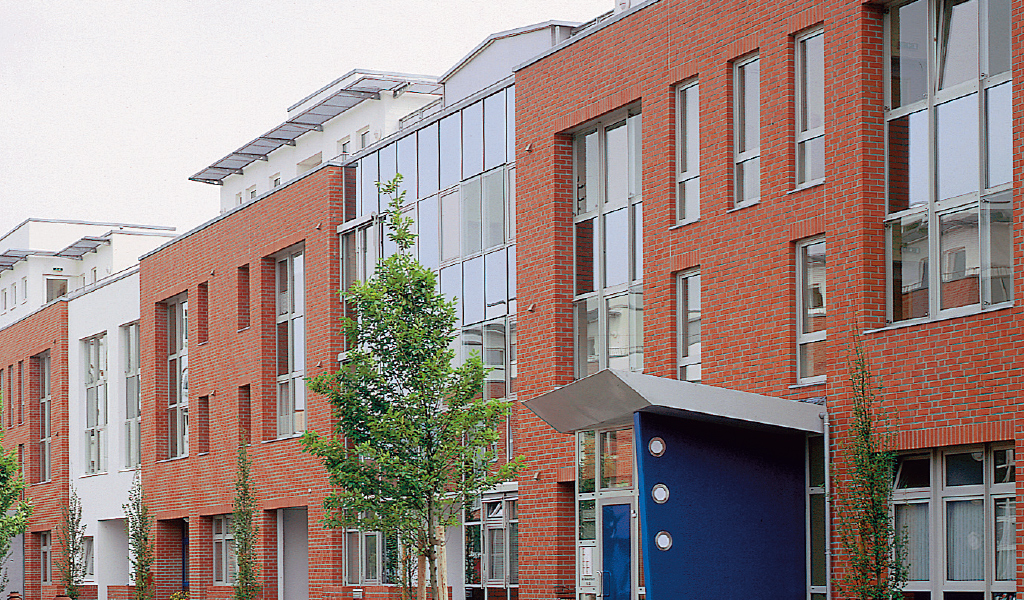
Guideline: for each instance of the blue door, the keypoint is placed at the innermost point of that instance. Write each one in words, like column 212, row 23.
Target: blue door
column 616, row 550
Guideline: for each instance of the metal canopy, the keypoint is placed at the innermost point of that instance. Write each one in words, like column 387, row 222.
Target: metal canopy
column 11, row 257
column 610, row 397
column 361, row 86
column 83, row 246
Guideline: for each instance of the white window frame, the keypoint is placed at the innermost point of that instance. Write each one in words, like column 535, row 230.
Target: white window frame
column 497, row 512
column 3, row 300
column 24, row 290
column 45, row 417
column 740, row 114
column 46, row 287
column 358, row 555
column 177, row 377
column 45, row 557
column 632, row 291
column 95, row 371
column 89, row 557
column 803, row 339
column 133, row 396
column 224, row 564
column 289, row 271
column 804, row 133
column 687, row 145
column 275, row 181
column 689, row 362
column 937, row 496
column 934, row 208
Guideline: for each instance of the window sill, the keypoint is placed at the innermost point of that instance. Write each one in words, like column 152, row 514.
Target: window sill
column 172, row 459
column 743, row 206
column 41, row 482
column 682, row 224
column 807, row 186
column 284, row 437
column 88, row 475
column 807, row 384
column 244, row 329
column 128, row 469
column 959, row 314
column 207, row 453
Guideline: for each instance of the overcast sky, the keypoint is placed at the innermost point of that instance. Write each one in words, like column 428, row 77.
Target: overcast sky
column 107, row 107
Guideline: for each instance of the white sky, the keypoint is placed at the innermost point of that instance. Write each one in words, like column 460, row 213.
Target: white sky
column 107, row 107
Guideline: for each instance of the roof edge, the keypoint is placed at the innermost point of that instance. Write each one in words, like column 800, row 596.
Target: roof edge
column 490, row 39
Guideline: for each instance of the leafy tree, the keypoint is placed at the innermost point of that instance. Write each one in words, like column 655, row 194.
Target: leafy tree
column 71, row 537
column 245, row 530
column 139, row 526
column 14, row 510
column 413, row 434
column 876, row 551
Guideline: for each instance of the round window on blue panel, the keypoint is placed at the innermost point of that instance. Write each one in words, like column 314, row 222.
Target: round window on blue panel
column 656, row 446
column 663, row 540
column 660, row 493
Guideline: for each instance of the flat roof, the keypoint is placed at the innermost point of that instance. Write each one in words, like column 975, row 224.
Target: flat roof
column 337, row 97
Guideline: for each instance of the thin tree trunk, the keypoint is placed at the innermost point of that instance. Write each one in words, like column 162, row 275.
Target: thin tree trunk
column 421, row 577
column 442, row 562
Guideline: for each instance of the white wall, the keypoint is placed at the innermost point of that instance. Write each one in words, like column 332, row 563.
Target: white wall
column 14, row 566
column 293, row 553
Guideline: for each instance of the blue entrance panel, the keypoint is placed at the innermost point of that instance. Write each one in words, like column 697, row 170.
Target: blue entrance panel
column 734, row 513
column 616, row 548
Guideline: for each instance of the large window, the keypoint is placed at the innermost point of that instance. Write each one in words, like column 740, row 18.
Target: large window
column 688, row 152
column 747, row 133
column 688, row 325
column 811, row 311
column 371, row 558
column 810, row 113
column 45, row 556
column 491, row 530
column 950, row 160
column 958, row 509
column 609, row 246
column 132, row 397
column 45, row 407
column 177, row 377
column 95, row 350
column 225, row 565
column 291, row 343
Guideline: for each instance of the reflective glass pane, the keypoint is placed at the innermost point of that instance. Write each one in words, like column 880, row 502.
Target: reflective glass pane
column 956, row 131
column 588, row 520
column 617, row 459
column 999, row 127
column 511, row 203
column 388, row 158
column 368, row 187
column 748, row 180
column 914, row 472
column 1006, row 538
column 510, row 127
column 637, row 250
column 813, row 359
column 586, row 254
column 913, row 519
column 748, row 109
column 812, row 261
column 636, row 331
column 812, row 82
column 496, row 554
column 472, row 139
column 585, row 469
column 689, row 129
column 588, row 170
column 635, row 128
column 494, row 130
column 811, row 160
column 427, row 159
column 511, row 271
column 616, row 240
column 474, row 554
column 429, row 242
column 1004, row 466
column 958, row 42
column 965, row 540
column 471, row 216
column 965, row 468
column 959, row 245
column 998, row 268
column 496, row 283
column 407, row 167
column 908, row 161
column 494, row 208
column 450, row 150
column 689, row 200
column 587, row 359
column 816, row 461
column 451, row 229
column 473, row 290
column 616, row 164
column 908, row 51
column 451, row 287
column 909, row 269
column 998, row 36
column 818, row 570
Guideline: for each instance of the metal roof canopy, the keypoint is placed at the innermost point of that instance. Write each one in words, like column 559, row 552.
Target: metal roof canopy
column 83, row 246
column 11, row 257
column 364, row 85
column 610, row 397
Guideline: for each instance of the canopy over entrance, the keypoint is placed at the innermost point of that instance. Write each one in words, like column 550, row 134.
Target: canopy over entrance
column 609, row 398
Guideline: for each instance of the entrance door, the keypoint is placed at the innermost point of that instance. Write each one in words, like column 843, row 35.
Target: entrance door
column 616, row 551
column 293, row 554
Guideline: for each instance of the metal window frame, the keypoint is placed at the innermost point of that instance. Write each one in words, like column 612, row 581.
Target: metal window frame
column 802, row 135
column 223, row 560
column 487, row 524
column 132, row 370
column 683, row 359
column 94, row 436
column 45, row 417
column 739, row 121
column 293, row 316
column 177, row 350
column 684, row 174
column 802, row 338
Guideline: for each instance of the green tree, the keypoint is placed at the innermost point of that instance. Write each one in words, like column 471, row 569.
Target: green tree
column 876, row 551
column 139, row 526
column 14, row 510
column 413, row 433
column 71, row 537
column 245, row 530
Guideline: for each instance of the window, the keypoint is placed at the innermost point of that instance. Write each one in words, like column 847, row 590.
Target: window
column 202, row 312
column 3, row 300
column 608, row 226
column 371, row 558
column 688, row 325
column 291, row 343
column 811, row 311
column 958, row 508
column 224, row 562
column 132, row 397
column 344, row 147
column 24, row 289
column 491, row 534
column 177, row 377
column 45, row 407
column 747, row 135
column 817, row 572
column 55, row 288
column 45, row 565
column 688, row 152
column 14, row 295
column 242, row 299
column 364, row 139
column 238, row 199
column 275, row 180
column 949, row 172
column 93, row 275
column 95, row 351
column 810, row 113
column 251, row 192
column 88, row 557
